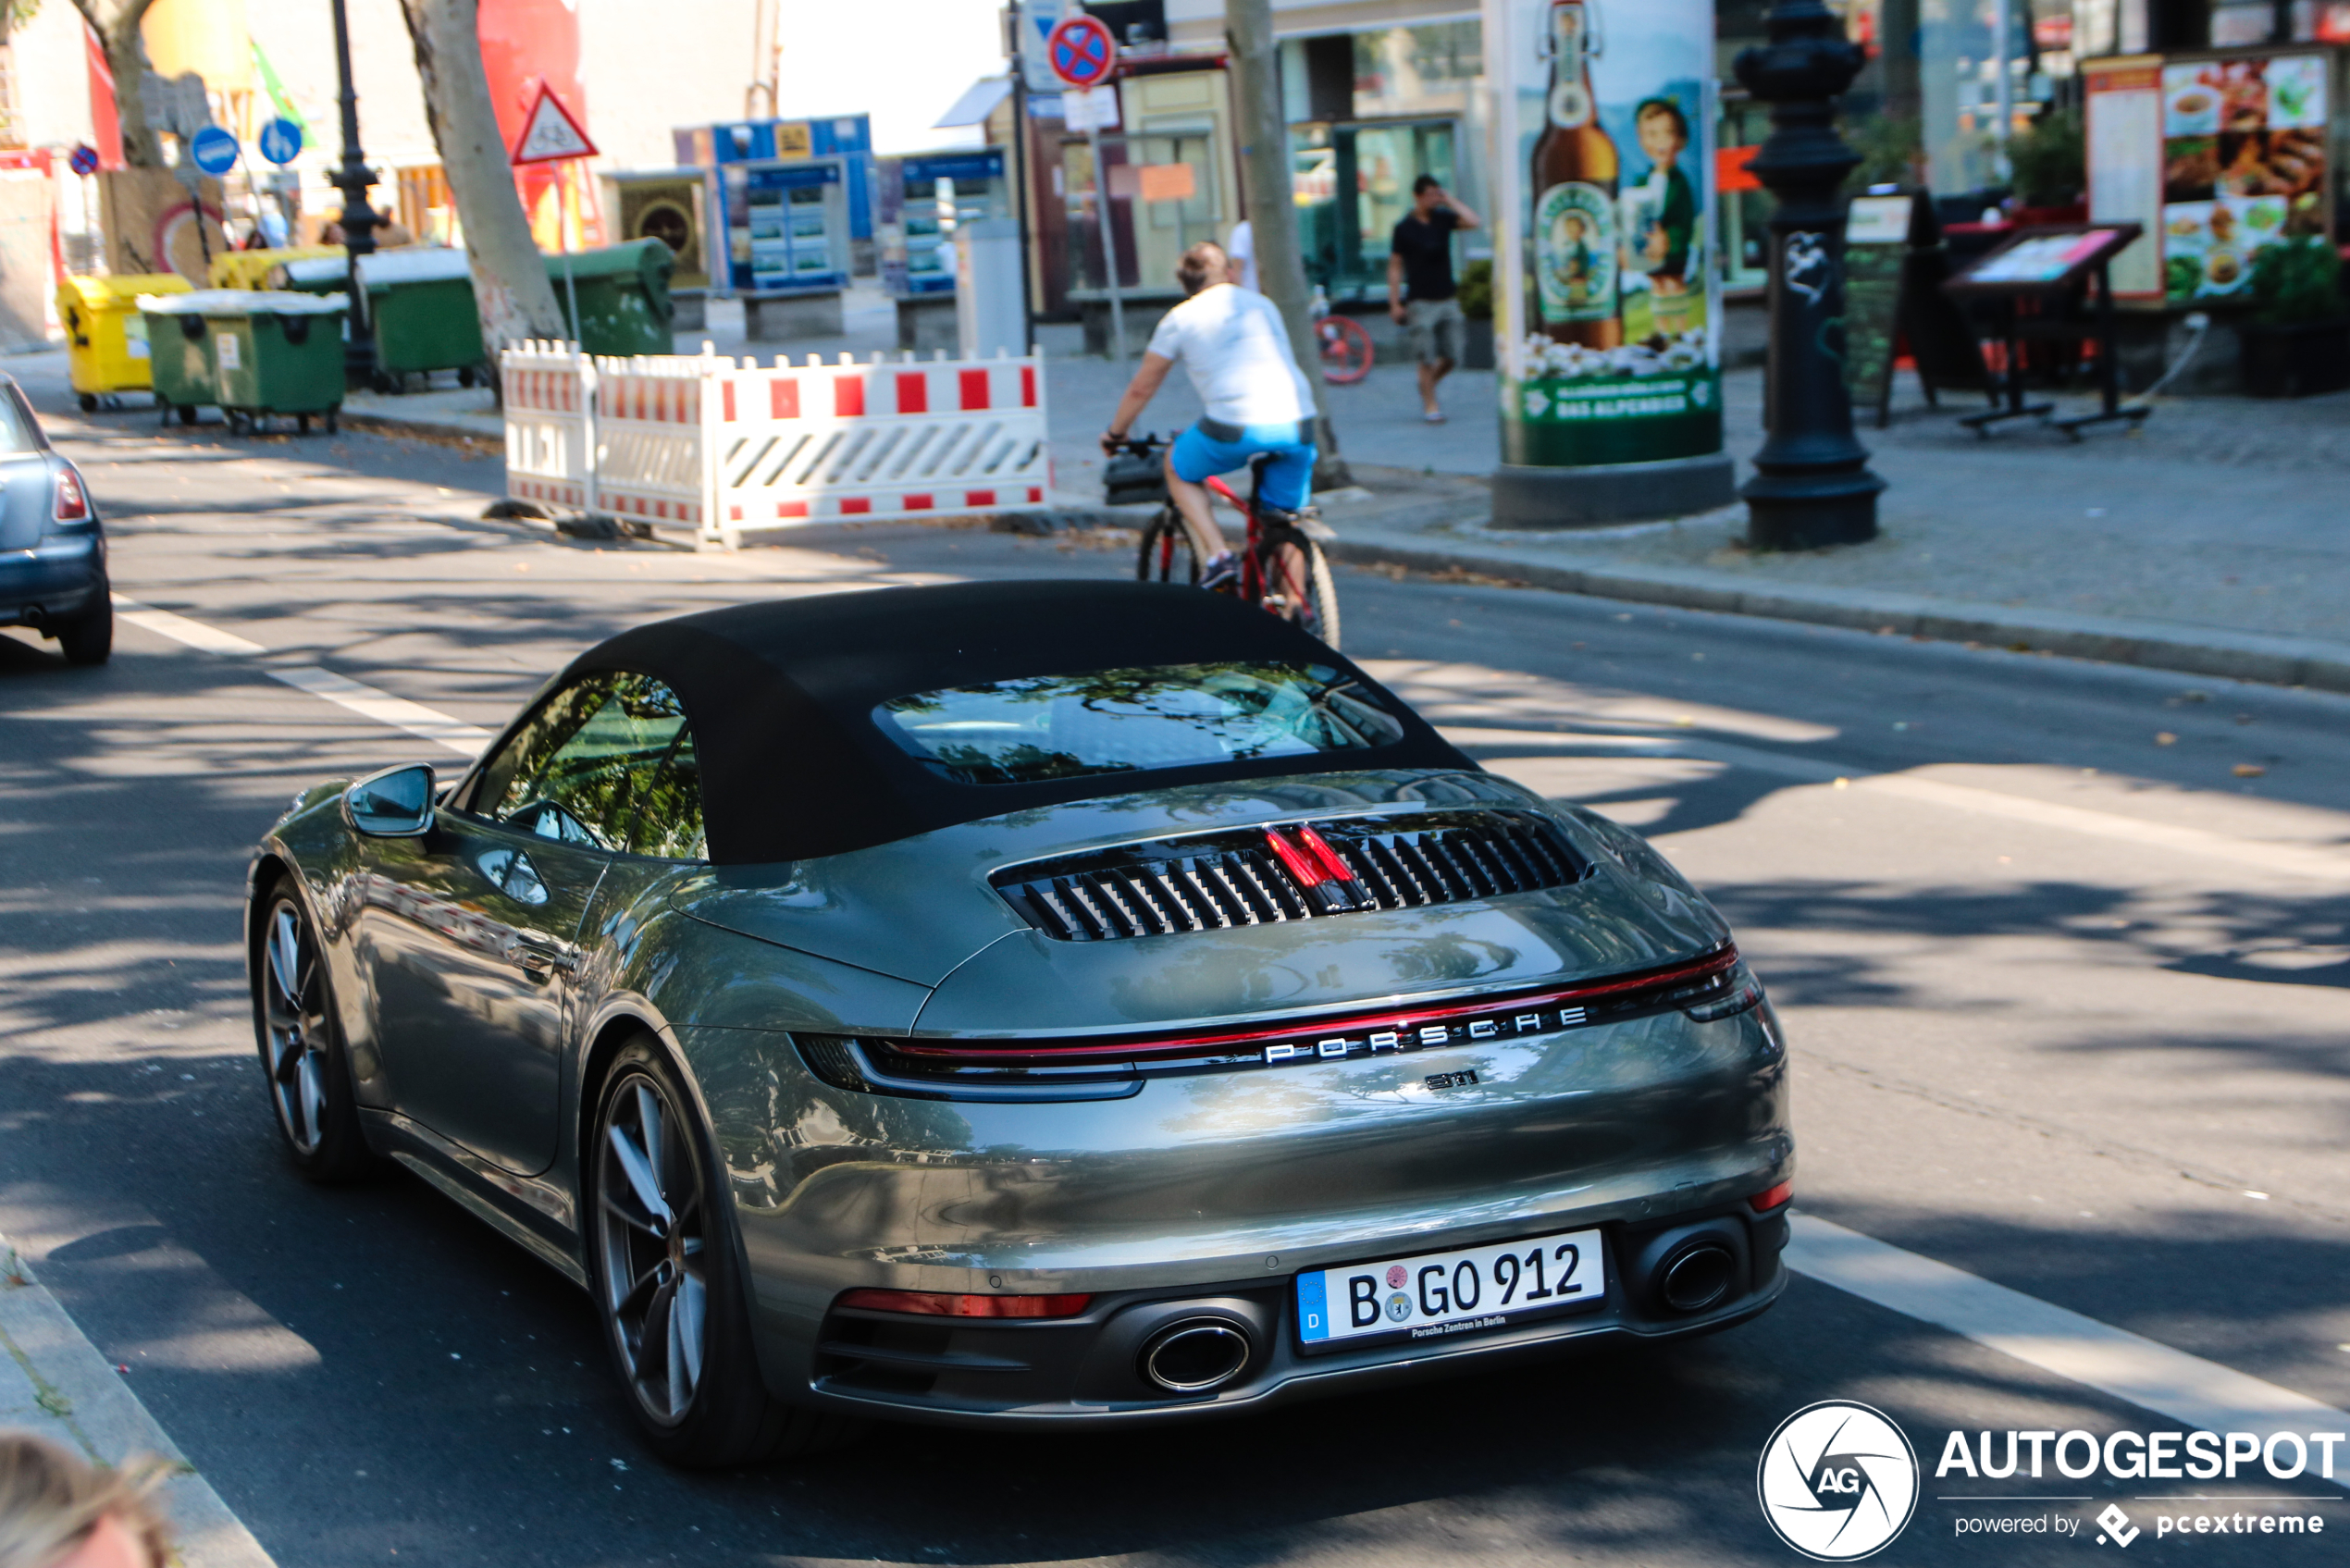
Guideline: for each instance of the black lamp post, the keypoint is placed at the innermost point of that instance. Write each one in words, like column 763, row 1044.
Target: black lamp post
column 359, row 219
column 1812, row 485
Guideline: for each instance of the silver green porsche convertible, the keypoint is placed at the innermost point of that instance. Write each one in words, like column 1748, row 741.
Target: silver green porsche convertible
column 1022, row 1004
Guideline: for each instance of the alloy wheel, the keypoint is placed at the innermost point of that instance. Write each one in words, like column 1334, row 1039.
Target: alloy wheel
column 651, row 1224
column 293, row 995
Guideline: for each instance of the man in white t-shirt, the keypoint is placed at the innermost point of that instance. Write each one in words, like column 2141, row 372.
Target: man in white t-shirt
column 1235, row 347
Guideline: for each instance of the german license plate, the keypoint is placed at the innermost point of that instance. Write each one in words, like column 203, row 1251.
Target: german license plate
column 1438, row 1294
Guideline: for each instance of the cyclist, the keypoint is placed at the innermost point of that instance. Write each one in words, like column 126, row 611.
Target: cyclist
column 1236, row 350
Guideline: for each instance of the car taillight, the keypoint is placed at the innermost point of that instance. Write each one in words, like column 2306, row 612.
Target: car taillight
column 72, row 505
column 933, row 1304
column 1764, row 1201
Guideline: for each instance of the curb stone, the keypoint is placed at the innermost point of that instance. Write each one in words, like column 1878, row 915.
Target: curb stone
column 88, row 1399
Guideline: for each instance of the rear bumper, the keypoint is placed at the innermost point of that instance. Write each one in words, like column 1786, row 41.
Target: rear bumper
column 1208, row 1195
column 56, row 580
column 998, row 1372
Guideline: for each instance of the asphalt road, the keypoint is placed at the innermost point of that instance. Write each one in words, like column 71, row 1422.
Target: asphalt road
column 2066, row 1003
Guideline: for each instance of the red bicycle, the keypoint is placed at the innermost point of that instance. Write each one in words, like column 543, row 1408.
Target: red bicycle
column 1281, row 569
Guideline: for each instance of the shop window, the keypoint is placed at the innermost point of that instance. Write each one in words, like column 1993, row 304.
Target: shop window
column 1417, row 70
column 1352, row 184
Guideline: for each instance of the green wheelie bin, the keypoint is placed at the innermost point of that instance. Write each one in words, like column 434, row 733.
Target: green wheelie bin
column 624, row 308
column 420, row 303
column 277, row 355
column 179, row 349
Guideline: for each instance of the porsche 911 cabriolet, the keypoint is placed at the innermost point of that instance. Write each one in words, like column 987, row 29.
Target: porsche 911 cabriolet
column 1020, row 1005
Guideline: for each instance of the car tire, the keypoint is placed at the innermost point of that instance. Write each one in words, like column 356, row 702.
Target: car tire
column 88, row 638
column 304, row 1064
column 666, row 1277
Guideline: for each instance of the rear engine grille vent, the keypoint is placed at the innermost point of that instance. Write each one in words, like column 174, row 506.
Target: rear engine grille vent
column 1291, row 871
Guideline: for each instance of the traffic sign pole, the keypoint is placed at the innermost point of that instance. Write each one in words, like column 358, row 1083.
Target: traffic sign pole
column 1085, row 56
column 1109, row 243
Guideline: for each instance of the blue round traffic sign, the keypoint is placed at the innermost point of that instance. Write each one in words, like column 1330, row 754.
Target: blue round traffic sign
column 280, row 141
column 85, row 159
column 1081, row 51
column 213, row 149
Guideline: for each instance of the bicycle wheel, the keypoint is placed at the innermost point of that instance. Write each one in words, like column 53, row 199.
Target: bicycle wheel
column 1167, row 554
column 1298, row 586
column 1346, row 350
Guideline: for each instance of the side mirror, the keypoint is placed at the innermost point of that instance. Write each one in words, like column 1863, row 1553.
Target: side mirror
column 396, row 803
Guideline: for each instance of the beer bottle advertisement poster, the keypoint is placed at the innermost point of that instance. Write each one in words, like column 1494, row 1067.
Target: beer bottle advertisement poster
column 1606, row 312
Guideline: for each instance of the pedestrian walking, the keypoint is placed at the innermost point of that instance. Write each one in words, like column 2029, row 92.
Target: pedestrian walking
column 58, row 1511
column 1420, row 284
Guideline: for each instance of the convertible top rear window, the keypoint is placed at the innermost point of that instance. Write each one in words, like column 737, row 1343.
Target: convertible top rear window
column 1042, row 727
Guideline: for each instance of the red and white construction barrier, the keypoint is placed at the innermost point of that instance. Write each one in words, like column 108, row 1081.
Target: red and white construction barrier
column 721, row 446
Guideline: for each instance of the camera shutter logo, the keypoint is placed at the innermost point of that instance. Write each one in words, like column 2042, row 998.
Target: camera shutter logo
column 1837, row 1481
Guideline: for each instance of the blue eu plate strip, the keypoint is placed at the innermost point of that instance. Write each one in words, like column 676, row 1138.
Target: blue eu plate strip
column 1312, row 1316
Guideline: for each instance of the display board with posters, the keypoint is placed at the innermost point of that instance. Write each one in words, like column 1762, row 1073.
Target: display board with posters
column 2220, row 155
column 1606, row 308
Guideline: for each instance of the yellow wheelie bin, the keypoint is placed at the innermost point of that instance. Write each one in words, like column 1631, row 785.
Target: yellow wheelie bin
column 106, row 339
column 251, row 269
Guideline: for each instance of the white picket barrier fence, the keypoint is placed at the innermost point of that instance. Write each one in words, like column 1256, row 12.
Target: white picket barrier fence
column 721, row 446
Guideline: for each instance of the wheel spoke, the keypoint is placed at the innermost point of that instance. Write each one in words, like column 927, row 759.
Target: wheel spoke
column 313, row 1091
column 687, row 1312
column 285, row 959
column 649, row 1127
column 652, row 1338
column 639, row 1294
column 635, row 1219
column 639, row 1171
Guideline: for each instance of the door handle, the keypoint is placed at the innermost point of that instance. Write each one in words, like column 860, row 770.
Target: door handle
column 540, row 959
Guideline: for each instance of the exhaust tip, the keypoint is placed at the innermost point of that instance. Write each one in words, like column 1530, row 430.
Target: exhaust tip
column 1697, row 1276
column 1196, row 1355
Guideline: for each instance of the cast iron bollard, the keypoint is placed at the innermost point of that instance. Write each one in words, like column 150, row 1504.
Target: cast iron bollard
column 1813, row 487
column 359, row 219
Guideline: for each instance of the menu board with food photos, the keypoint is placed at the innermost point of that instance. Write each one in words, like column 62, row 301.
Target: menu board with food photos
column 2244, row 165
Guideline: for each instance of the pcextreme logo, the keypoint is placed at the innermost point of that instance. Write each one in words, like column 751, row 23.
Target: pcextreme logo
column 1837, row 1481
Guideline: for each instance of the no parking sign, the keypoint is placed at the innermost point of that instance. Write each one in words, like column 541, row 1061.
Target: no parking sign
column 1081, row 51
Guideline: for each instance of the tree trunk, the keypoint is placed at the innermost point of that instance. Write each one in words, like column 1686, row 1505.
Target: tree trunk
column 116, row 24
column 1272, row 217
column 511, row 287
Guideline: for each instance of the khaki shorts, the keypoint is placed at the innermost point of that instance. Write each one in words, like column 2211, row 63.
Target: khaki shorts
column 1436, row 326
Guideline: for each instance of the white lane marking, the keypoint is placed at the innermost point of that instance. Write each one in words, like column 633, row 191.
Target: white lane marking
column 2315, row 860
column 179, row 628
column 372, row 702
column 465, row 739
column 2201, row 1394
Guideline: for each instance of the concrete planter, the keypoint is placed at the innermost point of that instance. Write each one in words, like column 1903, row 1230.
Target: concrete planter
column 2296, row 359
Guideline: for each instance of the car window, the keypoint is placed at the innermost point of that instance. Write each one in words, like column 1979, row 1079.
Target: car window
column 576, row 771
column 669, row 813
column 1120, row 720
column 18, row 433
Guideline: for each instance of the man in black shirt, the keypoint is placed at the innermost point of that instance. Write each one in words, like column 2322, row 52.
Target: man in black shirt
column 1420, row 284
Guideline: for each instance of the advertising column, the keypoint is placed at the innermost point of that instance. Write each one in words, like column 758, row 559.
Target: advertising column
column 1606, row 308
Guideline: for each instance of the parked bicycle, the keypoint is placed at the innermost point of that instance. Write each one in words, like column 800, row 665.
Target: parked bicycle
column 1280, row 569
column 1345, row 345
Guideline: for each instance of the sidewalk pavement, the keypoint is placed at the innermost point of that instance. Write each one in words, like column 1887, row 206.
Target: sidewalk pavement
column 54, row 1384
column 2208, row 542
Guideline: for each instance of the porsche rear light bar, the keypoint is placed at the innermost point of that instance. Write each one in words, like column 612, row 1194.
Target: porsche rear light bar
column 1444, row 1023
column 934, row 1303
column 1099, row 1068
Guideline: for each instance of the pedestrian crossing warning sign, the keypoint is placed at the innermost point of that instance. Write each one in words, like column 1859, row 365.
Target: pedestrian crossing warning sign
column 550, row 134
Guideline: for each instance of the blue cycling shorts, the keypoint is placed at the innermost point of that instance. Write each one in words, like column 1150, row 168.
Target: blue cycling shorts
column 1288, row 478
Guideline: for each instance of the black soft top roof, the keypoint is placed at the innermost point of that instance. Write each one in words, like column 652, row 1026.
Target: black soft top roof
column 781, row 694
